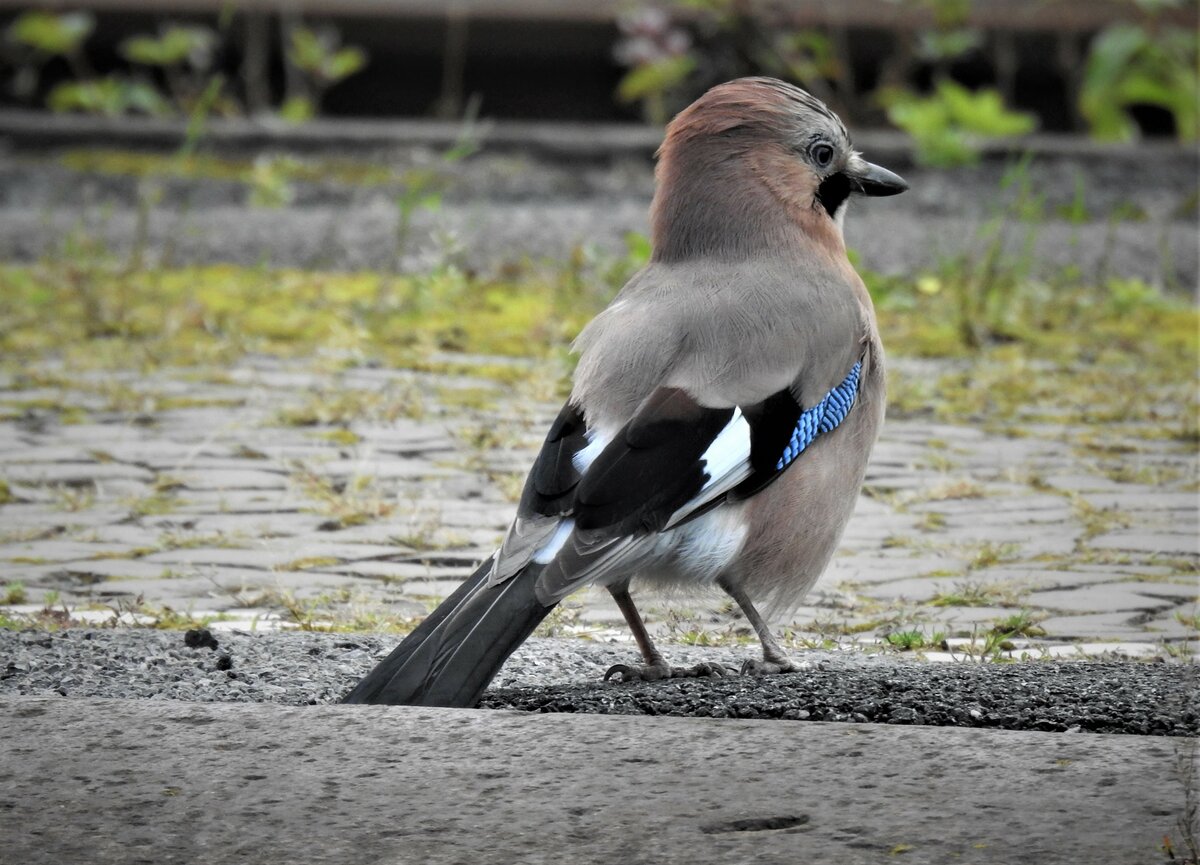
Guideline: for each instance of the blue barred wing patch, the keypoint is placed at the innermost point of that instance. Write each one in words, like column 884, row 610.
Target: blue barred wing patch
column 821, row 418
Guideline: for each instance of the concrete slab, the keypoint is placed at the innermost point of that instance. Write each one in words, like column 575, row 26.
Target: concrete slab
column 150, row 781
column 1107, row 598
column 1146, row 542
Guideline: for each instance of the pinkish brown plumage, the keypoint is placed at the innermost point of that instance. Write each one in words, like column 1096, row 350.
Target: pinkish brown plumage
column 723, row 409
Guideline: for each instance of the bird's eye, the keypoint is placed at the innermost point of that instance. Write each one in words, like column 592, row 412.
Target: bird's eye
column 822, row 154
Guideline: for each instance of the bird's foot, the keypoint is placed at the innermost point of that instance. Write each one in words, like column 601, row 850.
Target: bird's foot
column 656, row 672
column 769, row 666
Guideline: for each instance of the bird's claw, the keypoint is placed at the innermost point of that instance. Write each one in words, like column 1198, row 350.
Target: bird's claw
column 754, row 667
column 656, row 672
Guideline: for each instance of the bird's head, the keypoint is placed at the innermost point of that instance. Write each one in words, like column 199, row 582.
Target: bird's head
column 750, row 163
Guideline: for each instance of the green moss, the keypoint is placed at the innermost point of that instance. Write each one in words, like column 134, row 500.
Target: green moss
column 343, row 406
column 308, row 563
column 93, row 313
column 469, row 397
column 155, row 504
column 1104, row 356
column 342, row 436
column 130, row 163
column 973, row 594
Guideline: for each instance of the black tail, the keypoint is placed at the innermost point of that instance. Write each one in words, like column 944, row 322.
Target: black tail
column 453, row 655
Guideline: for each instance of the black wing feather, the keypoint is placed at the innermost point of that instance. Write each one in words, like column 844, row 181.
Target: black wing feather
column 651, row 468
column 772, row 422
column 550, row 486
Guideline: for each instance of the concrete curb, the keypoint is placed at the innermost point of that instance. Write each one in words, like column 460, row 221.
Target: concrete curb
column 109, row 781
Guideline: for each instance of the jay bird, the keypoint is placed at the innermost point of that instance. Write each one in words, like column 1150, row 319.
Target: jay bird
column 722, row 412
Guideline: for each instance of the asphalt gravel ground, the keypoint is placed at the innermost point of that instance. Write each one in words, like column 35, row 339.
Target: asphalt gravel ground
column 565, row 675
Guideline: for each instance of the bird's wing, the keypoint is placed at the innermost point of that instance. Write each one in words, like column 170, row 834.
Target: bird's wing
column 674, row 460
column 548, row 495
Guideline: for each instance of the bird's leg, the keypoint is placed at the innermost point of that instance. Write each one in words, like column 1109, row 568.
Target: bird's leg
column 656, row 666
column 775, row 660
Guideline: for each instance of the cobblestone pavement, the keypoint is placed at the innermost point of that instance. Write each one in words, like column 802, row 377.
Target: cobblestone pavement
column 281, row 494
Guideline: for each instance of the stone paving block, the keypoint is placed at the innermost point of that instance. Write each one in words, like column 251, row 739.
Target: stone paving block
column 868, row 568
column 1181, row 589
column 383, row 469
column 1124, row 649
column 1145, row 542
column 310, row 583
column 897, row 481
column 32, row 576
column 431, row 588
column 33, row 494
column 280, row 379
column 21, row 453
column 927, row 588
column 101, row 436
column 59, row 550
column 866, row 508
column 184, row 593
column 1057, row 517
column 121, row 491
column 271, row 554
column 238, row 501
column 248, row 526
column 1168, row 626
column 1082, row 483
column 385, row 531
column 1048, row 545
column 397, row 571
column 1105, row 598
column 1117, row 626
column 1059, row 542
column 81, row 473
column 156, row 453
column 1158, row 500
column 1037, row 576
column 208, row 478
column 1022, row 505
column 256, row 557
column 877, row 528
column 107, row 570
column 1133, row 569
column 963, row 618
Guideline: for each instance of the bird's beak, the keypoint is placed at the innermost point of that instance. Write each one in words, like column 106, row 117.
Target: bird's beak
column 870, row 179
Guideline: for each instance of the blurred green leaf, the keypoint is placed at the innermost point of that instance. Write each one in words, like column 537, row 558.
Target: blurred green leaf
column 948, row 13
column 318, row 55
column 345, row 63
column 637, row 248
column 110, row 96
column 947, row 125
column 297, row 109
column 52, row 34
column 306, row 50
column 654, row 78
column 176, row 45
column 948, row 44
column 983, row 111
column 803, row 55
column 1128, row 65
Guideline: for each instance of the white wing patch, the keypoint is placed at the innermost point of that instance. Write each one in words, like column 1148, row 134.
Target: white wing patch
column 726, row 462
column 550, row 549
column 597, row 442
